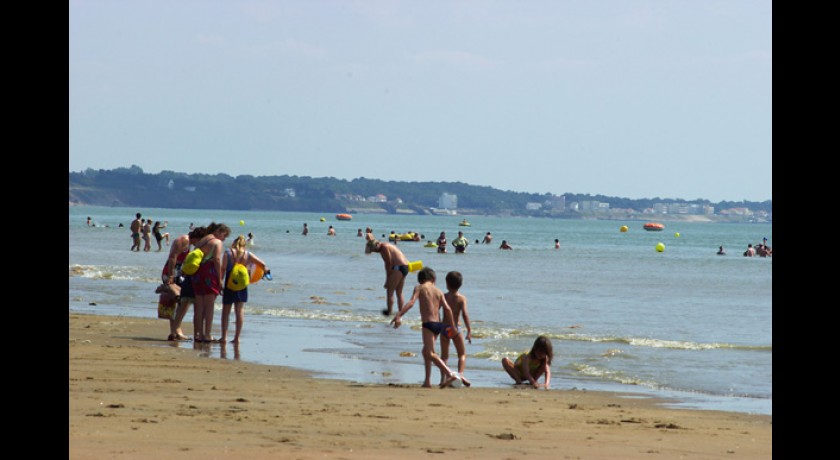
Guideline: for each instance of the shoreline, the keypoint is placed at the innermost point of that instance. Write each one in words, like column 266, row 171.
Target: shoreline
column 132, row 395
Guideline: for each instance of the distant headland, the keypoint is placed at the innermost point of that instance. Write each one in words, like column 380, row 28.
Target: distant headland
column 131, row 187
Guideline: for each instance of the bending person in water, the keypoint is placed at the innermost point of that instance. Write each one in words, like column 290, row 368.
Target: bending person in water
column 396, row 269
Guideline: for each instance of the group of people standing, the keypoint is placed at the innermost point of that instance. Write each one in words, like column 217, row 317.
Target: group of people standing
column 528, row 367
column 142, row 229
column 760, row 250
column 460, row 244
column 431, row 300
column 203, row 287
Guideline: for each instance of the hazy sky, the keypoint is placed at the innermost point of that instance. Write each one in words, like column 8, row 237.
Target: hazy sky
column 626, row 98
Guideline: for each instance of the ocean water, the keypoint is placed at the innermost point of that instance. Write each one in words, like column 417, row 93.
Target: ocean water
column 684, row 324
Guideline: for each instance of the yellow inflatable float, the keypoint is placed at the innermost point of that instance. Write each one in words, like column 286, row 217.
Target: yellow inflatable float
column 410, row 236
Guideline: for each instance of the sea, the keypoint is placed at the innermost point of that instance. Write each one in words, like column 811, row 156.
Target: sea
column 640, row 313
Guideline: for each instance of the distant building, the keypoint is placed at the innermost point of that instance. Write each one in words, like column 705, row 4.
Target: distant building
column 349, row 197
column 557, row 203
column 447, row 201
column 533, row 206
column 737, row 212
column 594, row 206
column 677, row 208
column 680, row 208
column 380, row 198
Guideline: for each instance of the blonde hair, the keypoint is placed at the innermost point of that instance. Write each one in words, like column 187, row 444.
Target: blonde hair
column 238, row 244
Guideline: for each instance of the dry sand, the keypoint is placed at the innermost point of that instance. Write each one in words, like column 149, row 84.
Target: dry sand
column 133, row 395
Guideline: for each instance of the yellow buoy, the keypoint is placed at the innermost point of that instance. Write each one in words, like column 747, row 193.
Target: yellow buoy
column 623, row 228
column 660, row 247
column 241, row 222
column 677, row 234
column 323, row 220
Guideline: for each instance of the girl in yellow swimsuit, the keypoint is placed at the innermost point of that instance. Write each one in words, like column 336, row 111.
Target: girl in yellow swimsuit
column 530, row 366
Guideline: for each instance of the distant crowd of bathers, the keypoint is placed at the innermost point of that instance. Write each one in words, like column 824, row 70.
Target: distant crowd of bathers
column 760, row 250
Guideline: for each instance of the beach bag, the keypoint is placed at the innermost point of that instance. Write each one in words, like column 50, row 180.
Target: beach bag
column 171, row 289
column 166, row 305
column 239, row 278
column 164, row 274
column 192, row 262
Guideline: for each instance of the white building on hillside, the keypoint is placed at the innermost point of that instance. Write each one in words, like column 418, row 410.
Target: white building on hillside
column 447, row 201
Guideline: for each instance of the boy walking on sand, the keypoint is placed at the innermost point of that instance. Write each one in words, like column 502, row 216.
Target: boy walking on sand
column 431, row 301
column 458, row 303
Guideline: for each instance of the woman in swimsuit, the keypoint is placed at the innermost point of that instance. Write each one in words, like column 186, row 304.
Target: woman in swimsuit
column 145, row 231
column 207, row 281
column 156, row 231
column 441, row 243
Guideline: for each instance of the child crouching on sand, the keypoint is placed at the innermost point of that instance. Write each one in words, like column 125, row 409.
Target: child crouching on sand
column 431, row 300
column 530, row 366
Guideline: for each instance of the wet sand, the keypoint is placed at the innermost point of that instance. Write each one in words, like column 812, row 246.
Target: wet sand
column 134, row 395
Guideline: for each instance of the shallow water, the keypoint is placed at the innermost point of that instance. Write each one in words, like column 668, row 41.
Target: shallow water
column 682, row 324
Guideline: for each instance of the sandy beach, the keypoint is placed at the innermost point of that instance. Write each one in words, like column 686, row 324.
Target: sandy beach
column 134, row 395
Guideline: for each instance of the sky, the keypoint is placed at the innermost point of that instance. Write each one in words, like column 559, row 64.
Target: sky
column 625, row 98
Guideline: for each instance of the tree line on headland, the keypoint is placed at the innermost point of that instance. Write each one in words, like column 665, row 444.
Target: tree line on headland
column 131, row 187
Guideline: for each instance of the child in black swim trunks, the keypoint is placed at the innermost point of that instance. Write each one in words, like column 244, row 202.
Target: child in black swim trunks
column 431, row 301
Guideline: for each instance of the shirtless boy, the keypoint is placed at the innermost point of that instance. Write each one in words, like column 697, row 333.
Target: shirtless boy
column 136, row 226
column 458, row 303
column 396, row 269
column 431, row 301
